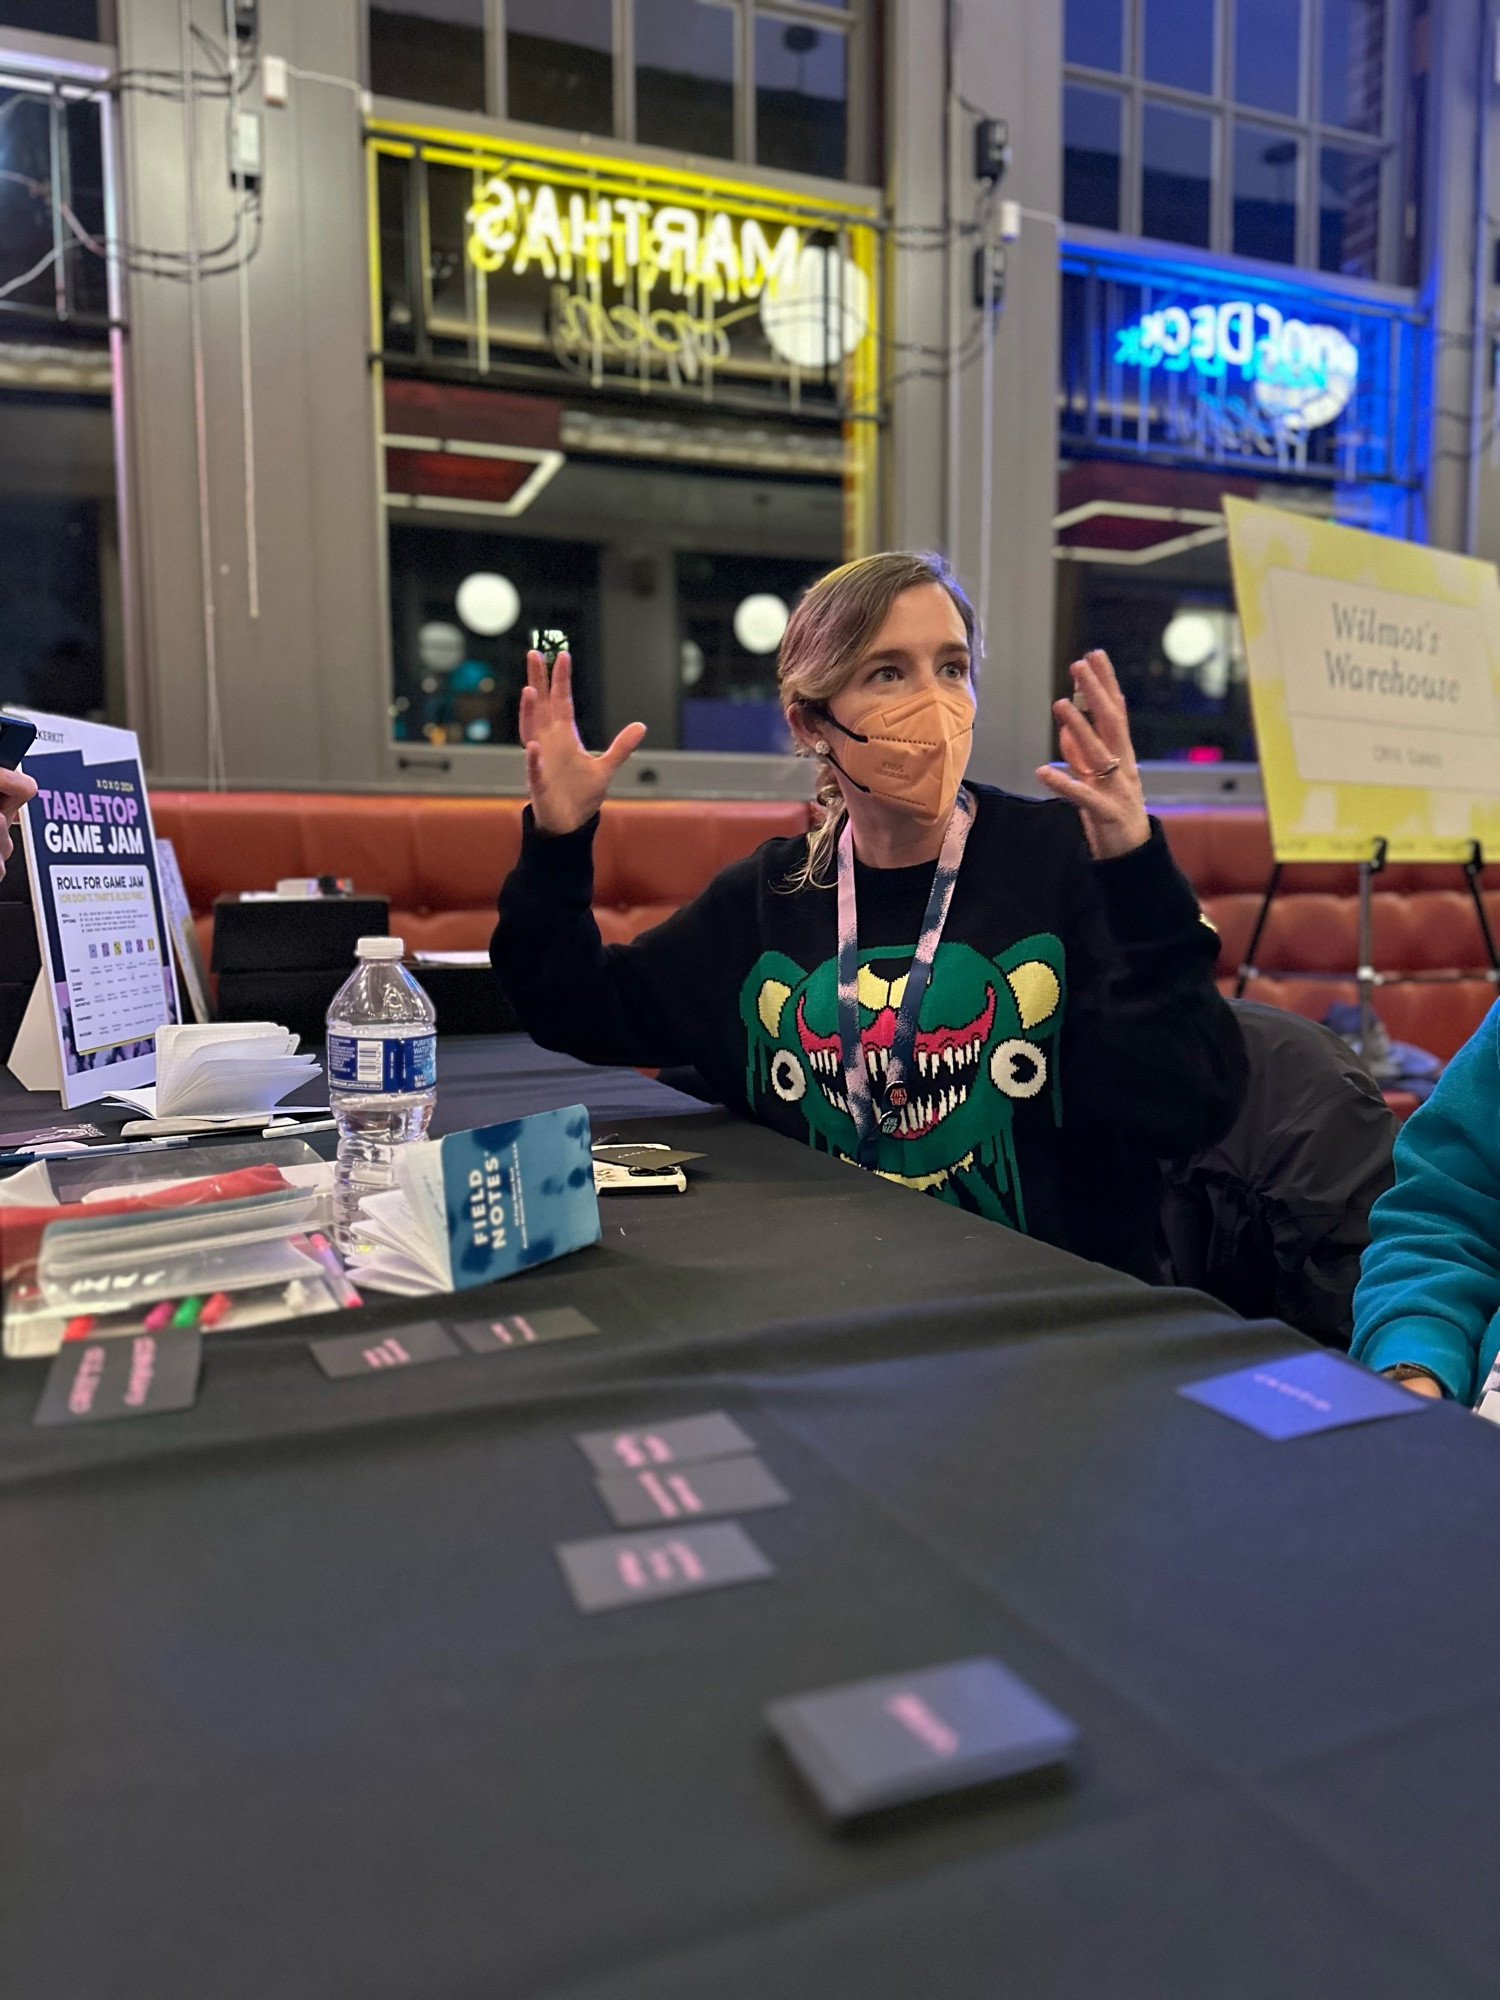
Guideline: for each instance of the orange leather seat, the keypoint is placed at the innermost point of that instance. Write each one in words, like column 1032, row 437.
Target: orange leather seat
column 441, row 863
column 1422, row 918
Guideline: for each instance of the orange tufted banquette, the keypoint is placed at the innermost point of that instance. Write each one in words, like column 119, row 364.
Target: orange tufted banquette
column 441, row 862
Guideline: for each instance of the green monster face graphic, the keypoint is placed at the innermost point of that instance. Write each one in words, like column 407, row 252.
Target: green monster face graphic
column 986, row 1040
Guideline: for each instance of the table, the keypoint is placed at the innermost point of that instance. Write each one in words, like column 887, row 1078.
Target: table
column 293, row 1701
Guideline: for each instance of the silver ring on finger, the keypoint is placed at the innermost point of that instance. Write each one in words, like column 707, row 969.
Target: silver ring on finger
column 1108, row 770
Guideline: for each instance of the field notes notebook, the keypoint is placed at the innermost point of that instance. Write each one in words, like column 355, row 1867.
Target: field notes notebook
column 480, row 1205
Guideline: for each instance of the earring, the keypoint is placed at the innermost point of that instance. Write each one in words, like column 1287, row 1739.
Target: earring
column 821, row 747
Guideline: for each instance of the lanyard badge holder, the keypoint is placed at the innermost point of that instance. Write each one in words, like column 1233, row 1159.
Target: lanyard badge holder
column 872, row 1120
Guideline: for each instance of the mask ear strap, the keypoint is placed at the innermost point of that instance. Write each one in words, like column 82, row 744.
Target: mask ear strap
column 831, row 759
column 819, row 709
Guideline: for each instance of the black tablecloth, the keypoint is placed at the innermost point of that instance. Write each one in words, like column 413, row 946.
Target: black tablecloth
column 293, row 1700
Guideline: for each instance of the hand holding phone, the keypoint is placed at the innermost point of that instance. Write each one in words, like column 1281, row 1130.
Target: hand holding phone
column 16, row 738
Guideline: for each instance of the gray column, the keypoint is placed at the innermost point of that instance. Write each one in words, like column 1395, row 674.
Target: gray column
column 1006, row 62
column 1460, row 62
column 303, row 685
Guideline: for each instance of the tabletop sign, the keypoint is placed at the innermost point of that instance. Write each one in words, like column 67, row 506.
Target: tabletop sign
column 378, row 1353
column 1304, row 1393
column 684, row 1441
column 886, row 1742
column 498, row 1336
column 612, row 1570
column 127, row 1375
column 107, row 982
column 1375, row 683
column 721, row 1486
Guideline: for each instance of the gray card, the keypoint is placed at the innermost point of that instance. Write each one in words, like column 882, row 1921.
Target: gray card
column 494, row 1336
column 378, row 1353
column 612, row 1570
column 901, row 1737
column 126, row 1375
column 692, row 1492
column 684, row 1441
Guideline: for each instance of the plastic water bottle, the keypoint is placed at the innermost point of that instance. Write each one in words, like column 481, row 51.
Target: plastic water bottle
column 382, row 1073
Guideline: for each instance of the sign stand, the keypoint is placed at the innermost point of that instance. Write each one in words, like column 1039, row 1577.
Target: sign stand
column 1376, row 1058
column 1366, row 978
column 34, row 1061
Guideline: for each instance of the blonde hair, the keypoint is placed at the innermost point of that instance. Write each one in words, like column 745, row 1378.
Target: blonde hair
column 825, row 639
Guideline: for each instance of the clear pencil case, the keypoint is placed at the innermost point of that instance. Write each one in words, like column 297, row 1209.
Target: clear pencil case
column 117, row 1263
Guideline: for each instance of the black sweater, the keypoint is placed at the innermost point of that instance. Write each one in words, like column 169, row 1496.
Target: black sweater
column 1070, row 1036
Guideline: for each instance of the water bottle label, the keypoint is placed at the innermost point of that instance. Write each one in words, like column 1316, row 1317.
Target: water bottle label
column 382, row 1066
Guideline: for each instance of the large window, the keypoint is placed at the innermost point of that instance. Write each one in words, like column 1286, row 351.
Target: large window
column 777, row 83
column 1255, row 126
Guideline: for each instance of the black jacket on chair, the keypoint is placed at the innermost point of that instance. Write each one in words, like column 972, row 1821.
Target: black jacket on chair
column 1273, row 1220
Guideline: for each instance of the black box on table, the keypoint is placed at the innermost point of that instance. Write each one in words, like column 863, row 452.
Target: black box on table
column 284, row 960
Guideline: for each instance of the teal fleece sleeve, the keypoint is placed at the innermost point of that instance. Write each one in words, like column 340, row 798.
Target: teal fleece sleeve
column 1429, row 1287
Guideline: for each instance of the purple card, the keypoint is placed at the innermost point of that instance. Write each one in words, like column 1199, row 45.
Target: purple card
column 612, row 1570
column 879, row 1743
column 695, row 1492
column 1303, row 1393
column 683, row 1441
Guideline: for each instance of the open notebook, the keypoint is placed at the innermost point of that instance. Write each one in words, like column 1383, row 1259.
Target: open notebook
column 479, row 1205
column 214, row 1073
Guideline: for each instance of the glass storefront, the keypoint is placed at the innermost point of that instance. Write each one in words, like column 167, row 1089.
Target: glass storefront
column 1180, row 382
column 60, row 624
column 635, row 406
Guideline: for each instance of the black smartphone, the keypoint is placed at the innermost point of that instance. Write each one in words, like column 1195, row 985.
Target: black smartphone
column 16, row 738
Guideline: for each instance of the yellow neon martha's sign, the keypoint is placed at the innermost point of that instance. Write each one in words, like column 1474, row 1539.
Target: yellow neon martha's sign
column 518, row 225
column 662, row 275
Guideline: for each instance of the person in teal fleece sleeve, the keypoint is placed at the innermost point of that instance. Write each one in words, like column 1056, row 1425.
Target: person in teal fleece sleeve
column 1427, row 1308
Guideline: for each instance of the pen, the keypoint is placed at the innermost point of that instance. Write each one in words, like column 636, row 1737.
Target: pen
column 218, row 1308
column 187, row 1313
column 160, row 1316
column 283, row 1128
column 79, row 1329
column 323, row 1250
column 78, row 1152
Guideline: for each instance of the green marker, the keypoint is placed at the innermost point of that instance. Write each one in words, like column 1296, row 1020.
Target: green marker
column 187, row 1313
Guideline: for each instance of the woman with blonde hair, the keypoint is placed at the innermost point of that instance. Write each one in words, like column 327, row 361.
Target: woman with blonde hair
column 1005, row 1002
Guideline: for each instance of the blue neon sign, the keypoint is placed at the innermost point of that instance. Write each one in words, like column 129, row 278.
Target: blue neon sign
column 1303, row 374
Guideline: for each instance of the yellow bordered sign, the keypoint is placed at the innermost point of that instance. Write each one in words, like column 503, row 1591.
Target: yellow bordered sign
column 1375, row 683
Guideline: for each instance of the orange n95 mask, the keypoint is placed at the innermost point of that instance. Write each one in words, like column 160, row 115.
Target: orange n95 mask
column 913, row 750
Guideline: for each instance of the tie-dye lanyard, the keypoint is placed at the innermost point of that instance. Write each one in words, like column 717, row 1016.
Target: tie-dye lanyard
column 868, row 1122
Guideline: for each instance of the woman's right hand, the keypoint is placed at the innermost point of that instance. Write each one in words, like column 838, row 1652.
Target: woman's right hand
column 567, row 783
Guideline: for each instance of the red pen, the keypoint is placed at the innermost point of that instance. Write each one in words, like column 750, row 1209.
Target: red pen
column 79, row 1329
column 216, row 1309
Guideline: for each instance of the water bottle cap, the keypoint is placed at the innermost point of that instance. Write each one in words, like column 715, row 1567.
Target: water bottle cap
column 380, row 947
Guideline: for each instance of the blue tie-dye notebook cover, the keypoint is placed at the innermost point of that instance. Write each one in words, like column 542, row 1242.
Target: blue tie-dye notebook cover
column 512, row 1195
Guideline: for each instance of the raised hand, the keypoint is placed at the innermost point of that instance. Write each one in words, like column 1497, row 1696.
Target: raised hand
column 567, row 783
column 1101, row 779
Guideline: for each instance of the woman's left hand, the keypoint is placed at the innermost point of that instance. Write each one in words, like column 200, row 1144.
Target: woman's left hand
column 1101, row 779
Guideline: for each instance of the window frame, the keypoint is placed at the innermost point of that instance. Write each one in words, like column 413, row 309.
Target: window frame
column 855, row 22
column 1308, row 128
